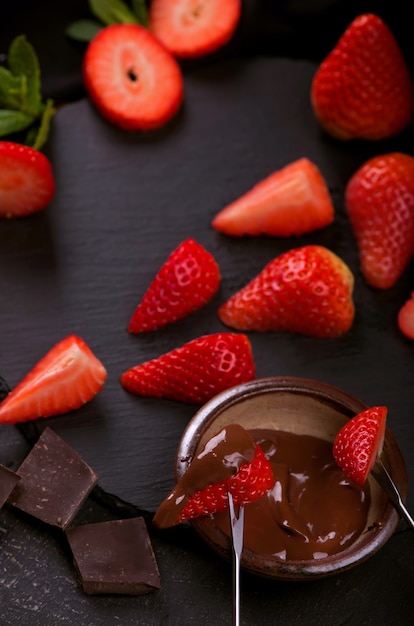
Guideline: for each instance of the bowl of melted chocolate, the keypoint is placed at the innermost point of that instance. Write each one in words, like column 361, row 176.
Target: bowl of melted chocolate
column 314, row 522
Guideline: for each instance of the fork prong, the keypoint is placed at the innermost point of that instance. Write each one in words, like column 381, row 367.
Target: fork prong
column 237, row 530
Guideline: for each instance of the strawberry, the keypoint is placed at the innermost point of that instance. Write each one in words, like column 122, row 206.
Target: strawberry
column 193, row 29
column 27, row 183
column 230, row 462
column 64, row 379
column 306, row 290
column 359, row 442
column 196, row 371
column 291, row 201
column 405, row 318
column 379, row 199
column 187, row 280
column 363, row 89
column 131, row 78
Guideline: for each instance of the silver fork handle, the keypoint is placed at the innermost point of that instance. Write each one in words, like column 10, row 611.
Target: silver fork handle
column 380, row 473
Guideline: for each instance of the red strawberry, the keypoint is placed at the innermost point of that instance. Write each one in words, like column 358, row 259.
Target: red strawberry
column 292, row 201
column 359, row 442
column 230, row 462
column 64, row 379
column 306, row 290
column 405, row 318
column 196, row 371
column 27, row 183
column 363, row 89
column 379, row 199
column 188, row 279
column 131, row 78
column 193, row 29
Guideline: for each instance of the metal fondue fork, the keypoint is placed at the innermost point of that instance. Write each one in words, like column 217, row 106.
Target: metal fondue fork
column 380, row 473
column 237, row 529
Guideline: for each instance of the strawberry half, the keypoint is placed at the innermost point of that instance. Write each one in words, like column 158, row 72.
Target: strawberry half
column 379, row 199
column 193, row 28
column 188, row 279
column 196, row 371
column 363, row 89
column 405, row 318
column 307, row 290
column 27, row 183
column 131, row 78
column 292, row 201
column 64, row 379
column 359, row 442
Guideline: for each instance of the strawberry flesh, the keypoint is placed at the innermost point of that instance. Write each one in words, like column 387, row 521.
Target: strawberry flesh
column 188, row 279
column 291, row 201
column 64, row 379
column 359, row 442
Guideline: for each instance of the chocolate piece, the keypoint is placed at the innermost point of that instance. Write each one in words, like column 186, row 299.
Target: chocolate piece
column 8, row 481
column 114, row 557
column 54, row 483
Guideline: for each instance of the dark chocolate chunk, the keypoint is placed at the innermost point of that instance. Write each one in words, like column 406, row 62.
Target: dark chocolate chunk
column 114, row 557
column 55, row 481
column 4, row 388
column 8, row 481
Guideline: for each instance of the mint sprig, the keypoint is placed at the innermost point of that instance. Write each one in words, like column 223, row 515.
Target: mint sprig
column 21, row 105
column 108, row 12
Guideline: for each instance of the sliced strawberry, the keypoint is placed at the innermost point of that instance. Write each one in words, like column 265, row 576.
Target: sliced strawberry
column 193, row 28
column 405, row 318
column 379, row 199
column 64, row 379
column 230, row 462
column 196, row 371
column 131, row 78
column 307, row 290
column 188, row 279
column 359, row 442
column 27, row 183
column 292, row 201
column 363, row 89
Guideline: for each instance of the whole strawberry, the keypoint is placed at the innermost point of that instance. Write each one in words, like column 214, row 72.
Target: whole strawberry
column 196, row 371
column 188, row 279
column 363, row 89
column 359, row 442
column 379, row 199
column 307, row 290
column 405, row 318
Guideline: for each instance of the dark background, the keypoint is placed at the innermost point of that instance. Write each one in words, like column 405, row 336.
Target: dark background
column 123, row 203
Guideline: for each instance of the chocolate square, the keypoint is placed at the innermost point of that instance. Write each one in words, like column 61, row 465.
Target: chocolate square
column 55, row 481
column 8, row 481
column 114, row 557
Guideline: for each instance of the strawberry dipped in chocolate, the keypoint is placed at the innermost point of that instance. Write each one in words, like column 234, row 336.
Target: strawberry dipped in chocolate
column 230, row 462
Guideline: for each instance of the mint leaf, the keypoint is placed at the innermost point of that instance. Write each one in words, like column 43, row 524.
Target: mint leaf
column 23, row 62
column 112, row 12
column 140, row 10
column 43, row 130
column 83, row 30
column 10, row 89
column 13, row 121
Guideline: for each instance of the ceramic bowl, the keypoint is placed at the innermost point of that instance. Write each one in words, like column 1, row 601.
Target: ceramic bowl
column 301, row 406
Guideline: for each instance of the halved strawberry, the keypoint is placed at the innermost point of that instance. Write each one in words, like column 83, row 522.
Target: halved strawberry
column 231, row 462
column 64, row 379
column 291, row 201
column 196, row 371
column 306, row 290
column 405, row 318
column 359, row 442
column 27, row 182
column 193, row 28
column 187, row 280
column 131, row 78
column 363, row 89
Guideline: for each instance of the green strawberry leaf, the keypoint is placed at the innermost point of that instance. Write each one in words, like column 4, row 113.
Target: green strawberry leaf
column 112, row 12
column 23, row 62
column 13, row 121
column 83, row 30
column 140, row 10
column 10, row 89
column 43, row 130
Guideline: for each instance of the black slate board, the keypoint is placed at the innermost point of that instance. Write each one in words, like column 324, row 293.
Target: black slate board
column 123, row 203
